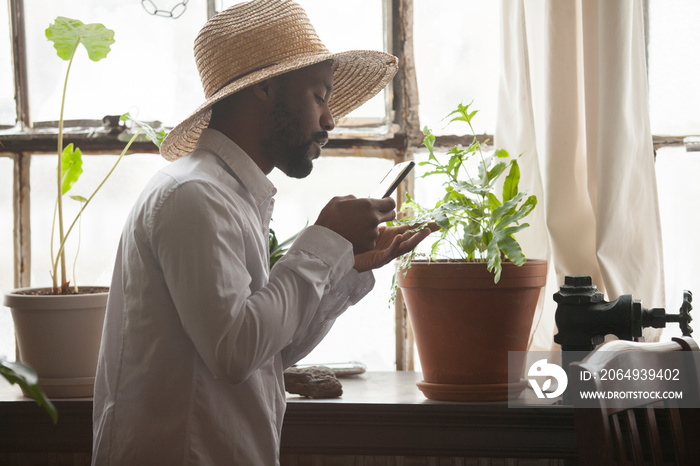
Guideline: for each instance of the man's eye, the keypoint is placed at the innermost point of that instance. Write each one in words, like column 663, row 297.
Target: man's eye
column 320, row 99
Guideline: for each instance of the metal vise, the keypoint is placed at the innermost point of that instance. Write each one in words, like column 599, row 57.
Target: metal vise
column 583, row 317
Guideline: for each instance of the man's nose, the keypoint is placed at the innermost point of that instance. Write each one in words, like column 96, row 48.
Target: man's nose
column 327, row 121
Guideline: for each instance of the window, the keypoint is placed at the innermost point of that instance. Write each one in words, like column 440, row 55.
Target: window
column 150, row 73
column 7, row 340
column 674, row 95
column 7, row 88
column 456, row 45
column 103, row 219
column 674, row 64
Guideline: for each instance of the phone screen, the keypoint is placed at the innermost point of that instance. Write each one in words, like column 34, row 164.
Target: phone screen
column 392, row 179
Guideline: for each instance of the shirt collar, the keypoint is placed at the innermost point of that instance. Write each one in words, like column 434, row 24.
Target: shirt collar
column 247, row 171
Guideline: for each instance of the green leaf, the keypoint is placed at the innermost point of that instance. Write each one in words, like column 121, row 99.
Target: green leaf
column 80, row 199
column 479, row 190
column 440, row 217
column 470, row 241
column 493, row 256
column 521, row 212
column 510, row 231
column 496, row 171
column 434, row 249
column 511, row 249
column 277, row 249
column 16, row 371
column 71, row 167
column 429, row 141
column 510, row 185
column 502, row 154
column 67, row 33
column 494, row 203
column 156, row 137
column 464, row 114
column 456, row 199
column 26, row 378
column 508, row 208
column 434, row 172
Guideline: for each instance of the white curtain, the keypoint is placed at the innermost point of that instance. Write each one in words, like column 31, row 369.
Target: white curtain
column 573, row 99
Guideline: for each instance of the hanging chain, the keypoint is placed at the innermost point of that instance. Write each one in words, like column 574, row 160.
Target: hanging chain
column 174, row 13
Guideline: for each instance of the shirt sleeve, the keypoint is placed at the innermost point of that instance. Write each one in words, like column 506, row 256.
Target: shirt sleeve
column 343, row 293
column 206, row 248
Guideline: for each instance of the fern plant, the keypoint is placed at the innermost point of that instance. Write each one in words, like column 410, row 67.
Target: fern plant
column 477, row 223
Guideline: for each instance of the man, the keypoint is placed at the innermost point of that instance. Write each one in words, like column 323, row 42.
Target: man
column 198, row 329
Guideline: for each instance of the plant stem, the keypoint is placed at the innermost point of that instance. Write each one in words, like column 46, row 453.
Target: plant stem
column 85, row 204
column 59, row 199
column 483, row 163
column 53, row 230
column 77, row 251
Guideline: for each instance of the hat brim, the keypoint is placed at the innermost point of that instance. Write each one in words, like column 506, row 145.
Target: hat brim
column 359, row 75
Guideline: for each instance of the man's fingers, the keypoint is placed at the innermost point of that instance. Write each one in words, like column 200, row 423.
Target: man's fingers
column 357, row 220
column 386, row 209
column 394, row 242
column 432, row 226
column 384, row 205
column 408, row 243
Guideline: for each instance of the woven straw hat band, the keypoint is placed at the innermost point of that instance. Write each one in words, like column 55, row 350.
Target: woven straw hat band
column 290, row 37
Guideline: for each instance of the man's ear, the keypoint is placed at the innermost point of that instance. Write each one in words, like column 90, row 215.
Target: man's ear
column 263, row 90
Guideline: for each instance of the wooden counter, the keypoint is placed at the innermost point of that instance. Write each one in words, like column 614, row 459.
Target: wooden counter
column 380, row 413
column 384, row 413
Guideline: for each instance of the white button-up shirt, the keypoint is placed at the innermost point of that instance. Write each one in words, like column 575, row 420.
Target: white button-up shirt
column 198, row 330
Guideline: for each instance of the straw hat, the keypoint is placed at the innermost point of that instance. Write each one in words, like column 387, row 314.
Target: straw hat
column 253, row 41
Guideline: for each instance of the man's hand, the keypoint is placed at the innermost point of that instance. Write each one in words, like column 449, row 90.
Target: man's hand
column 357, row 220
column 392, row 243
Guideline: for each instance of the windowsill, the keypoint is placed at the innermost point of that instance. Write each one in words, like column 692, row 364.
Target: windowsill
column 380, row 413
column 92, row 138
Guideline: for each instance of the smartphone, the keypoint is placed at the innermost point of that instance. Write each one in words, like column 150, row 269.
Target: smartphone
column 392, row 179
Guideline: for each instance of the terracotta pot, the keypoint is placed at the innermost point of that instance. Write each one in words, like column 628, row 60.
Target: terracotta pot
column 465, row 325
column 59, row 336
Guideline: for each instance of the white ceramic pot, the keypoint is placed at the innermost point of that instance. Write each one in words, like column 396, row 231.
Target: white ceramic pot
column 59, row 336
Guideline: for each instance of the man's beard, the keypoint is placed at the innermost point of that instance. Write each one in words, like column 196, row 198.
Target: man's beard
column 297, row 162
column 290, row 152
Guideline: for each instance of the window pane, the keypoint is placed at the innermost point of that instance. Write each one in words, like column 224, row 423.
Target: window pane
column 150, row 71
column 456, row 51
column 353, row 25
column 676, row 174
column 674, row 66
column 102, row 220
column 7, row 86
column 365, row 332
column 7, row 332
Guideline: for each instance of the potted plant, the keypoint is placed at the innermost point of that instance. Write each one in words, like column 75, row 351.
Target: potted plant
column 59, row 329
column 467, row 312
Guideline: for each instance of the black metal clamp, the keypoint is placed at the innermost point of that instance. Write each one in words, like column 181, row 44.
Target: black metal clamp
column 584, row 318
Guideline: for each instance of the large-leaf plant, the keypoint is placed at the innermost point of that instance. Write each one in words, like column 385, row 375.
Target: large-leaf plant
column 477, row 217
column 67, row 34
